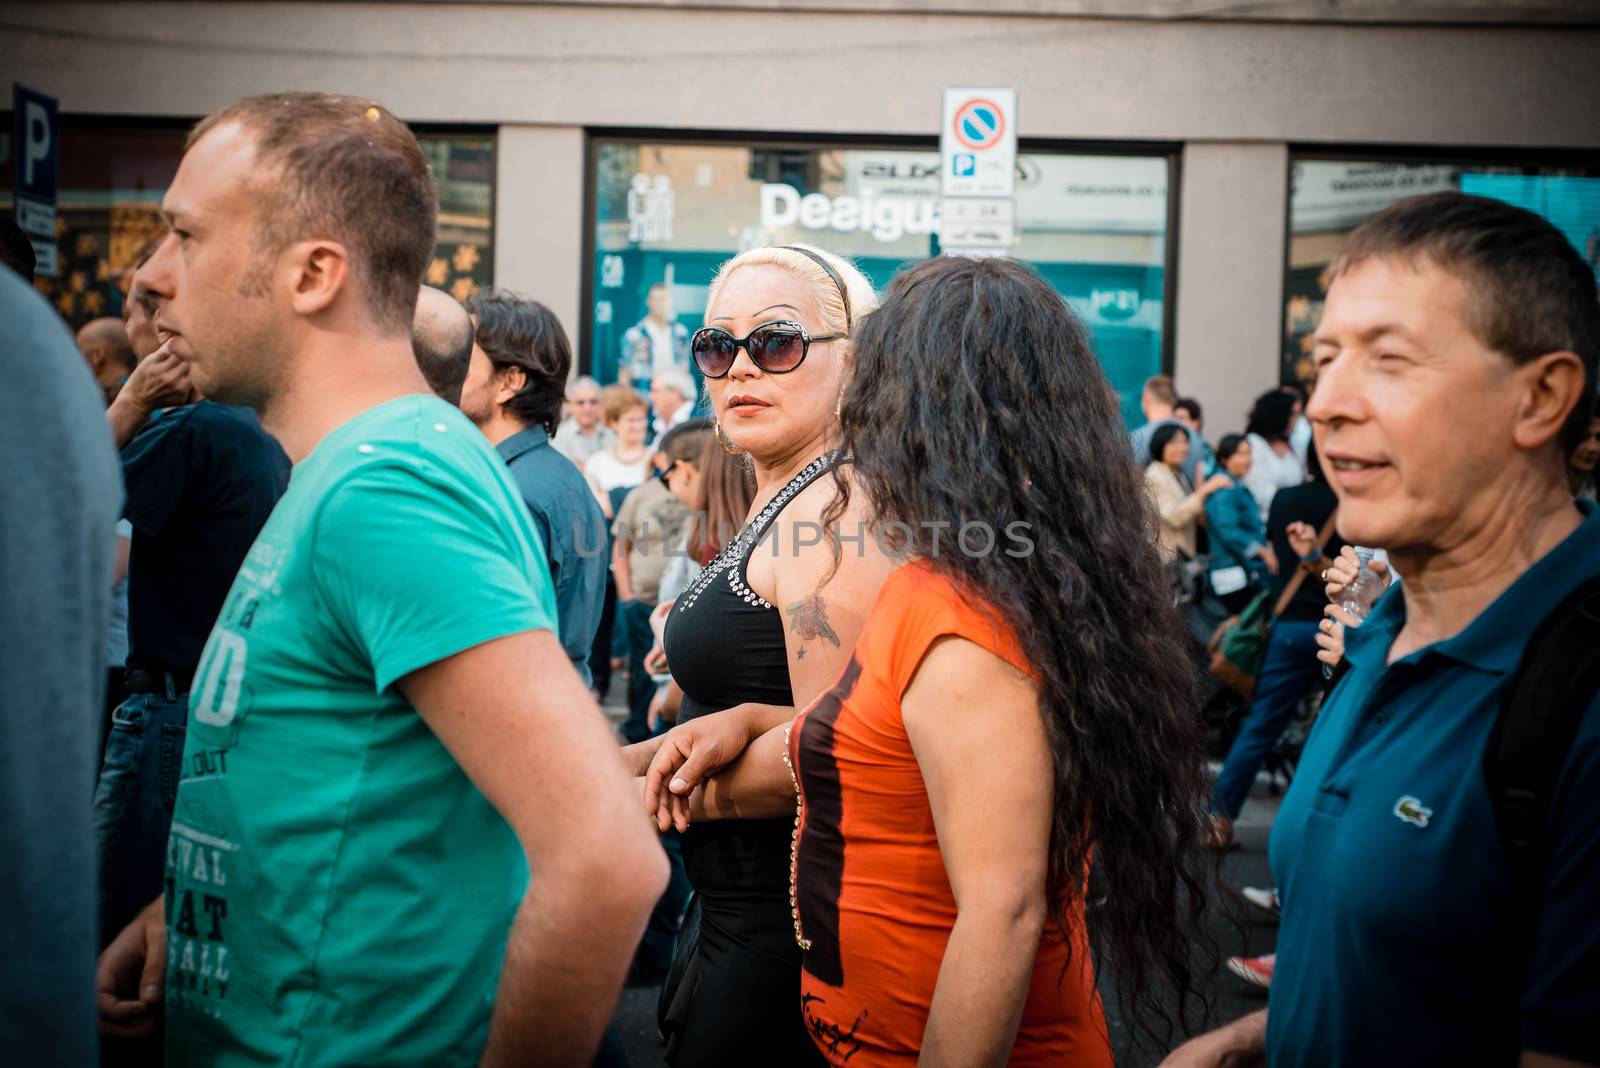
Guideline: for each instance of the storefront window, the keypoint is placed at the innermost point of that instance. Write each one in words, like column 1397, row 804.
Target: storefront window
column 108, row 210
column 669, row 215
column 1328, row 198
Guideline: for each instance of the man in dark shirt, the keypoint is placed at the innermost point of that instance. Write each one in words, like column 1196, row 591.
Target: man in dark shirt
column 201, row 480
column 513, row 393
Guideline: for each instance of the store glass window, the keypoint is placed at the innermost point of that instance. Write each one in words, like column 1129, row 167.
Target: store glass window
column 112, row 180
column 1328, row 198
column 668, row 215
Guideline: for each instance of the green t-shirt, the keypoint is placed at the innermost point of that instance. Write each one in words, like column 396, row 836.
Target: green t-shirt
column 338, row 892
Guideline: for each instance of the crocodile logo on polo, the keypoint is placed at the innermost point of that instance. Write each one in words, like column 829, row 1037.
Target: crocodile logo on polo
column 1413, row 811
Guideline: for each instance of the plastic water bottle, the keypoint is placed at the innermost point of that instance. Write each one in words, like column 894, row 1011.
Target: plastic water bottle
column 1358, row 597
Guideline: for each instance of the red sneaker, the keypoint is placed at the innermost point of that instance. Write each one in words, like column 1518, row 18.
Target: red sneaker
column 1254, row 970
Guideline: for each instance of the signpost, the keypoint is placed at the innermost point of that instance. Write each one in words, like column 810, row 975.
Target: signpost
column 34, row 168
column 978, row 171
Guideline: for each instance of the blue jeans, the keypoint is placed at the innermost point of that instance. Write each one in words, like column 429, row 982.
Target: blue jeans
column 635, row 617
column 1287, row 671
column 133, row 804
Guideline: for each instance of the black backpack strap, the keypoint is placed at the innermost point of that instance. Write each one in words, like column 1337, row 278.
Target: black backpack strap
column 1552, row 689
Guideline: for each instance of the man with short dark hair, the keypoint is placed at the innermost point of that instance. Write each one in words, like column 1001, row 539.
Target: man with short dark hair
column 385, row 735
column 1431, row 915
column 441, row 338
column 1158, row 401
column 106, row 348
column 1188, row 412
column 520, row 360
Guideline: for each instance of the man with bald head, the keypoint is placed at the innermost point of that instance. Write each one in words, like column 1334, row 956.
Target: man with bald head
column 441, row 338
column 104, row 344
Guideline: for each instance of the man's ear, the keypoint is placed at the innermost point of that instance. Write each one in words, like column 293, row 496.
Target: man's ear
column 1552, row 385
column 512, row 380
column 318, row 273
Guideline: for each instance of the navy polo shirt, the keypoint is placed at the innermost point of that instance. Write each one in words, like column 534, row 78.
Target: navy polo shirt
column 573, row 529
column 1390, row 868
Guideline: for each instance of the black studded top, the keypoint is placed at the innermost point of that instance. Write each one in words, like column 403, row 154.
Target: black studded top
column 725, row 645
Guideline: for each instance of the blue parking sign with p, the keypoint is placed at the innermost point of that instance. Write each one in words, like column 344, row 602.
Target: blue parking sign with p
column 35, row 153
column 964, row 164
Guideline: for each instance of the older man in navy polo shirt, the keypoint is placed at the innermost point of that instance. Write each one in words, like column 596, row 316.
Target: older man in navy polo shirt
column 1456, row 365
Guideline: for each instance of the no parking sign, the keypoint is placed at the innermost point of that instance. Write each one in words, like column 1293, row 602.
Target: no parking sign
column 978, row 142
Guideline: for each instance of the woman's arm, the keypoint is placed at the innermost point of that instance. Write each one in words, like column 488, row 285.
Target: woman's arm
column 758, row 785
column 705, row 745
column 993, row 819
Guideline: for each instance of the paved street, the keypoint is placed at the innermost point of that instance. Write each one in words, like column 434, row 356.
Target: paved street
column 1245, row 866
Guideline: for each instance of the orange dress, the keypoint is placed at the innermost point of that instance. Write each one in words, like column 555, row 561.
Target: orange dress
column 874, row 908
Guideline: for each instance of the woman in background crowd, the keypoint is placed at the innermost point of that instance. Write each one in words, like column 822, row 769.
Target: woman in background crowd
column 1274, row 463
column 1242, row 562
column 718, row 490
column 1011, row 721
column 625, row 463
column 1179, row 504
column 612, row 472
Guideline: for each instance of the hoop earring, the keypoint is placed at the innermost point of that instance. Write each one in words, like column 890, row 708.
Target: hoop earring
column 727, row 446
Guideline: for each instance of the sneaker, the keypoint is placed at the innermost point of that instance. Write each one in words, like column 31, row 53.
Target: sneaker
column 1254, row 970
column 1264, row 898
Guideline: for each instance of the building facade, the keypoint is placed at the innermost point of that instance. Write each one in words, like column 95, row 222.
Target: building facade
column 1183, row 174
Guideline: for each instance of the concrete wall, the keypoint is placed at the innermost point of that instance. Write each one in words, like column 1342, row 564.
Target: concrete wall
column 1232, row 214
column 863, row 72
column 1476, row 12
column 538, row 242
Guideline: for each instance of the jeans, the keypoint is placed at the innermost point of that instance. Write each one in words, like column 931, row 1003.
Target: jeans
column 1287, row 672
column 133, row 804
column 635, row 616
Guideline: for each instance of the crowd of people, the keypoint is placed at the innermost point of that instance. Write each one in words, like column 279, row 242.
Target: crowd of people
column 912, row 763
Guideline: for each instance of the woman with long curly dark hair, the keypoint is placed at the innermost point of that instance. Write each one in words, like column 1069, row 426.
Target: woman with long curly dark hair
column 1008, row 771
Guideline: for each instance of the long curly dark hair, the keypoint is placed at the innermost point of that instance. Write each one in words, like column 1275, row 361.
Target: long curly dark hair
column 976, row 398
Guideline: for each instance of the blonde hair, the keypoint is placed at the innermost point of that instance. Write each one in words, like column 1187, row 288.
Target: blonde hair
column 828, row 304
column 617, row 401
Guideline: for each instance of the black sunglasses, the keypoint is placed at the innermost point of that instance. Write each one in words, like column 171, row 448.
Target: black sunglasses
column 777, row 347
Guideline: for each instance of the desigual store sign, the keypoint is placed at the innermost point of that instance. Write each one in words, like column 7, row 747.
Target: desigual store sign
column 1095, row 226
column 893, row 194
